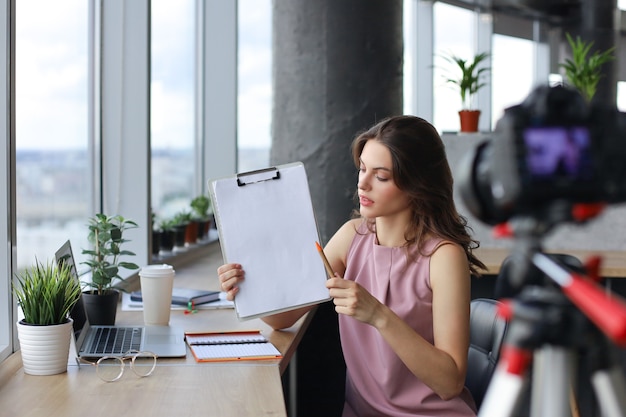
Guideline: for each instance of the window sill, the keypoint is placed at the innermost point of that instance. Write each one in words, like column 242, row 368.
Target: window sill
column 177, row 259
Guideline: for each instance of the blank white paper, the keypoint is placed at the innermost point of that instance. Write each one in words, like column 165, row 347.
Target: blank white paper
column 269, row 227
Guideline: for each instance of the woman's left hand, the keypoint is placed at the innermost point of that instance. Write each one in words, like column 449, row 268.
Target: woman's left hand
column 353, row 300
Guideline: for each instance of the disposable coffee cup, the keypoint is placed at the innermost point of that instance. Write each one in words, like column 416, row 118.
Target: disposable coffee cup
column 156, row 292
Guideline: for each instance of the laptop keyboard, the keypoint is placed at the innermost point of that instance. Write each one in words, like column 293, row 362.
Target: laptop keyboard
column 116, row 340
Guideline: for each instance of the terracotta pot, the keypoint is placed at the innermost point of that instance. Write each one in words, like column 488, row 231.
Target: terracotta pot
column 469, row 120
column 191, row 233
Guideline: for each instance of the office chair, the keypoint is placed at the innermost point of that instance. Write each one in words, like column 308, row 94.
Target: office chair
column 487, row 331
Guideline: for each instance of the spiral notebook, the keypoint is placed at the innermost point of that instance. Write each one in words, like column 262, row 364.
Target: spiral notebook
column 231, row 346
column 266, row 223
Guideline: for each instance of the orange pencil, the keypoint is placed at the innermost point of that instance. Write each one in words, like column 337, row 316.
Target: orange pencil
column 329, row 270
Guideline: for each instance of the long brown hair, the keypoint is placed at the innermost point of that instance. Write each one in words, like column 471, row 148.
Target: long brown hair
column 421, row 169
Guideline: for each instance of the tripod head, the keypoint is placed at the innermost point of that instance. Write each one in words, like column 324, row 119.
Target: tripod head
column 517, row 270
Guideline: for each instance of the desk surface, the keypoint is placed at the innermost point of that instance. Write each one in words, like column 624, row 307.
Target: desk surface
column 178, row 386
column 613, row 262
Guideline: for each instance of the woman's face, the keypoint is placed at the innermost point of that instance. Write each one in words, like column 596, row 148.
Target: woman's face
column 378, row 194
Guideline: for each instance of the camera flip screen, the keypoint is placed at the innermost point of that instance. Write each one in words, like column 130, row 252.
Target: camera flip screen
column 558, row 154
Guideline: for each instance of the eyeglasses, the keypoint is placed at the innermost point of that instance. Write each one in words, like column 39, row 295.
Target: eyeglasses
column 111, row 368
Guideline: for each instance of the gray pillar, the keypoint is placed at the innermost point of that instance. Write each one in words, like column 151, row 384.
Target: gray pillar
column 598, row 21
column 337, row 70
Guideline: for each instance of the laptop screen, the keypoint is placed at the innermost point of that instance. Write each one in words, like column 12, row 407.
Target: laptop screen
column 78, row 313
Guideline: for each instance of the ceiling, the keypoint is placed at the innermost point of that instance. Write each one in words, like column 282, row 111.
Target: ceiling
column 556, row 11
column 547, row 9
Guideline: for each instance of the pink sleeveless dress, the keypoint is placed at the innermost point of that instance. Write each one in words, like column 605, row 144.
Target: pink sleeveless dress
column 377, row 382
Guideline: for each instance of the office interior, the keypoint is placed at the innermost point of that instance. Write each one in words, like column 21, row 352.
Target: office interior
column 335, row 67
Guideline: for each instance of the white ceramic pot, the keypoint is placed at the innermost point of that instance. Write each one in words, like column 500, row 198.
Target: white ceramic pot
column 45, row 349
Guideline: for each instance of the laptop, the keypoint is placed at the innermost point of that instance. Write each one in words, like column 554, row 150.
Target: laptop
column 98, row 341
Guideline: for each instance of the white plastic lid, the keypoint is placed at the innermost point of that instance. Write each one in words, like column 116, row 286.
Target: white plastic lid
column 157, row 270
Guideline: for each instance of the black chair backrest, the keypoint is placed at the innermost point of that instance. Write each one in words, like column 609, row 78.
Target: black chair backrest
column 510, row 282
column 487, row 332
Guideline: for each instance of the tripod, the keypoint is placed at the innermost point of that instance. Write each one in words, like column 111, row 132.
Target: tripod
column 552, row 323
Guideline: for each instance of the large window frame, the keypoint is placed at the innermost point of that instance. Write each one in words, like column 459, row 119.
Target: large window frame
column 124, row 75
column 547, row 48
column 119, row 128
column 8, row 311
column 420, row 25
column 119, row 116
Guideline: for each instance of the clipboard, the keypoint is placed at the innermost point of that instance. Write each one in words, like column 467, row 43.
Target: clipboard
column 266, row 223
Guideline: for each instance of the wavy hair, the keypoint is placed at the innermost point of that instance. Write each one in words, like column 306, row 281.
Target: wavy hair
column 420, row 169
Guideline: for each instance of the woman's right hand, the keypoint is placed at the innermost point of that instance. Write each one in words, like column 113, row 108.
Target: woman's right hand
column 230, row 276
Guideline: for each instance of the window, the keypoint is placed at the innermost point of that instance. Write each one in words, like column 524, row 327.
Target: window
column 173, row 166
column 512, row 70
column 254, row 101
column 54, row 182
column 621, row 96
column 58, row 182
column 446, row 100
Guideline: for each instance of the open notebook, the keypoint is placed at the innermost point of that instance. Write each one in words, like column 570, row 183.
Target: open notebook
column 231, row 346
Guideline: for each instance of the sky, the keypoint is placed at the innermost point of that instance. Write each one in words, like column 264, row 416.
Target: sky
column 52, row 73
column 51, row 82
column 172, row 72
column 52, row 77
column 255, row 73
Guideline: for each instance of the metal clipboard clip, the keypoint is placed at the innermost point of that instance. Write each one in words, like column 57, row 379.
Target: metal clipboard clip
column 260, row 175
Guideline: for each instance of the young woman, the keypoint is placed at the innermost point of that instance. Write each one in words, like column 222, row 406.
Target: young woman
column 402, row 279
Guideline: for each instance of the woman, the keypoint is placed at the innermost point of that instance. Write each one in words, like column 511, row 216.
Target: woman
column 402, row 279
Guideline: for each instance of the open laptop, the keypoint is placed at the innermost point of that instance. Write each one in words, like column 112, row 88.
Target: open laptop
column 97, row 341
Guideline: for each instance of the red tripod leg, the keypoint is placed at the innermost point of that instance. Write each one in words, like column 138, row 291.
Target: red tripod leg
column 507, row 383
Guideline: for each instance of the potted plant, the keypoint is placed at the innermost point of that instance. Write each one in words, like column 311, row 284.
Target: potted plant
column 191, row 228
column 166, row 230
column 45, row 293
column 106, row 234
column 583, row 71
column 155, row 237
column 200, row 206
column 180, row 223
column 468, row 78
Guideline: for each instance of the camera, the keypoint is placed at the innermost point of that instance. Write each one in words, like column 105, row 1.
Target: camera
column 549, row 153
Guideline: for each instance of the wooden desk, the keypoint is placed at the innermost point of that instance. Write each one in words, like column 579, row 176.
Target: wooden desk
column 613, row 262
column 177, row 387
column 174, row 389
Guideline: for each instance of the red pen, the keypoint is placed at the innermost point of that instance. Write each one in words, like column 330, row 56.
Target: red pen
column 329, row 269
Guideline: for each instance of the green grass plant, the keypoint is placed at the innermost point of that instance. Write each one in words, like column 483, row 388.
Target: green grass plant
column 46, row 293
column 584, row 70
